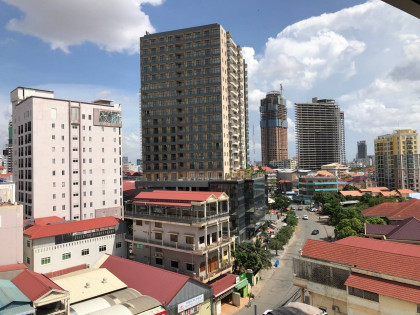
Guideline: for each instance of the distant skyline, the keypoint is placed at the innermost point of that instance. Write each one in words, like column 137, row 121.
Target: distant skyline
column 363, row 54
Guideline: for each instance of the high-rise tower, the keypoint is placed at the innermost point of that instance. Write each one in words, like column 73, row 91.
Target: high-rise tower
column 361, row 150
column 193, row 104
column 319, row 133
column 273, row 123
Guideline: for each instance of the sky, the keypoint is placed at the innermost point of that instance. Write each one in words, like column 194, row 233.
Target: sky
column 363, row 54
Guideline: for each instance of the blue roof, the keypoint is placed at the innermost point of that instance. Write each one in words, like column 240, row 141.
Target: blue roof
column 12, row 300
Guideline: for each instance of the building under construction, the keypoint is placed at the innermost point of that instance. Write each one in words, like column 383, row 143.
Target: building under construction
column 273, row 125
column 320, row 135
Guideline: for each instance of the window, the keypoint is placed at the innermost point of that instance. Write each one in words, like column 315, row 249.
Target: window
column 189, row 239
column 74, row 114
column 364, row 294
column 201, row 239
column 174, row 264
column 174, row 238
column 139, row 222
column 28, row 260
column 66, row 256
column 158, row 224
column 28, row 243
column 85, row 252
column 102, row 248
column 159, row 261
column 45, row 260
column 190, row 267
column 53, row 113
column 158, row 236
column 118, row 245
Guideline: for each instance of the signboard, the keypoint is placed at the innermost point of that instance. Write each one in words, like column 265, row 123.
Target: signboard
column 190, row 303
column 240, row 278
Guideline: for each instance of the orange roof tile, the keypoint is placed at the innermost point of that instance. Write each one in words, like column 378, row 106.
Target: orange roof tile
column 405, row 191
column 398, row 290
column 325, row 173
column 373, row 255
column 395, row 210
column 353, row 193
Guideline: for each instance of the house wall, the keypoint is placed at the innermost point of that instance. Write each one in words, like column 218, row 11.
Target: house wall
column 11, row 220
column 386, row 305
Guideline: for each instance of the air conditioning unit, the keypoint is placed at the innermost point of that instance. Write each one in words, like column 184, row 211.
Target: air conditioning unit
column 159, row 255
column 335, row 308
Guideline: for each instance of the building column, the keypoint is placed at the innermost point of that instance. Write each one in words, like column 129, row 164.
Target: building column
column 207, row 264
column 218, row 258
column 302, row 295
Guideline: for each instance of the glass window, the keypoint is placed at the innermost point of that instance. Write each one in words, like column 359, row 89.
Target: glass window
column 66, row 256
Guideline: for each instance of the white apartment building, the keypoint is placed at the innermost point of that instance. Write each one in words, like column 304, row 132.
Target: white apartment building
column 182, row 231
column 67, row 156
column 51, row 244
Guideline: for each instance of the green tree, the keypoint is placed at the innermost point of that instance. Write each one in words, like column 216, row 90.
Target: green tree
column 375, row 220
column 276, row 245
column 281, row 202
column 349, row 187
column 291, row 218
column 347, row 227
column 251, row 256
column 345, row 232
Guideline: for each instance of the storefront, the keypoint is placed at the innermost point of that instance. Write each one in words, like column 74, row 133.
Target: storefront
column 192, row 306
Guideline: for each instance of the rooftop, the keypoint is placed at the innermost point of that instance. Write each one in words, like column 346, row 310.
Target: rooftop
column 395, row 210
column 171, row 195
column 67, row 227
column 353, row 193
column 408, row 229
column 391, row 258
column 223, row 284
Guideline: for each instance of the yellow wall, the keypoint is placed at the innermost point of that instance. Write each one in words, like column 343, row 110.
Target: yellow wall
column 386, row 305
column 205, row 308
column 325, row 302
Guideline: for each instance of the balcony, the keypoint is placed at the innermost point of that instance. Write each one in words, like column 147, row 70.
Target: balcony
column 176, row 218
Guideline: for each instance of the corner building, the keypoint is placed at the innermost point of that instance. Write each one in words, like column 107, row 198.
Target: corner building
column 67, row 156
column 194, row 111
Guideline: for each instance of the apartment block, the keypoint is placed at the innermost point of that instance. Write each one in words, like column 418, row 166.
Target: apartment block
column 183, row 231
column 273, row 123
column 194, row 105
column 67, row 156
column 51, row 244
column 8, row 151
column 361, row 149
column 397, row 160
column 319, row 133
column 11, row 221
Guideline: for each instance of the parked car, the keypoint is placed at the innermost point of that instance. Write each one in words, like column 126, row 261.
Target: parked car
column 314, row 210
column 305, row 217
column 315, row 232
column 300, row 208
column 297, row 217
column 292, row 208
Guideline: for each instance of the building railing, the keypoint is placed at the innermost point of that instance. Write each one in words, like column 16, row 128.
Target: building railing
column 67, row 238
column 174, row 218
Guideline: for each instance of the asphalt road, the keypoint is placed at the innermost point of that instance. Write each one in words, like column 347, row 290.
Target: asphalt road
column 276, row 286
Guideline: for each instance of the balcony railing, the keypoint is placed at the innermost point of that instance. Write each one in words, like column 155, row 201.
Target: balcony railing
column 174, row 218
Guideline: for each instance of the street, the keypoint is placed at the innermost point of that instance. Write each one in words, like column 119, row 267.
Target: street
column 276, row 286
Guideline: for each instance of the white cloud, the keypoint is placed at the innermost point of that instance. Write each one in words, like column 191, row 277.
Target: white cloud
column 112, row 25
column 367, row 57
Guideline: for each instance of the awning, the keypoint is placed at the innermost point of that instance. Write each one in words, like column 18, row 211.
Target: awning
column 159, row 203
column 242, row 284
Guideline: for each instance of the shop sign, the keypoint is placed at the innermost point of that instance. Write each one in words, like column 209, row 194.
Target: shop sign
column 240, row 278
column 190, row 303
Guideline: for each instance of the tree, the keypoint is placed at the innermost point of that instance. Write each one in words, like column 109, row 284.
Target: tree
column 291, row 218
column 348, row 227
column 375, row 220
column 349, row 187
column 251, row 256
column 276, row 245
column 282, row 202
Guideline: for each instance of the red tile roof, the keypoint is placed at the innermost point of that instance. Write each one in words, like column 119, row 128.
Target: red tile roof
column 129, row 188
column 265, row 168
column 353, row 193
column 405, row 191
column 65, row 271
column 325, row 173
column 48, row 220
column 6, row 175
column 374, row 189
column 173, row 195
column 160, row 284
column 41, row 231
column 223, row 284
column 379, row 229
column 2, row 167
column 388, row 193
column 173, row 204
column 12, row 267
column 34, row 285
column 395, row 210
column 380, row 286
column 402, row 260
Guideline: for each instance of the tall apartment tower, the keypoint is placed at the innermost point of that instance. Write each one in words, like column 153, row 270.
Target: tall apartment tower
column 361, row 150
column 194, row 107
column 273, row 123
column 67, row 156
column 319, row 133
column 397, row 160
column 8, row 151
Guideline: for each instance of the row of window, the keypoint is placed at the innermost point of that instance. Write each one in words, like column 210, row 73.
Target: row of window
column 192, row 176
column 181, row 74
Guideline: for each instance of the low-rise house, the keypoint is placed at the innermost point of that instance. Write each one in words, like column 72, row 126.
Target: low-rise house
column 351, row 193
column 360, row 276
column 179, row 294
column 395, row 211
column 182, row 231
column 405, row 231
column 404, row 193
column 374, row 191
column 51, row 244
column 336, row 169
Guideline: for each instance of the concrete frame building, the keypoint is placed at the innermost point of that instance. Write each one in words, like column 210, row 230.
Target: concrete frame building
column 273, row 124
column 194, row 105
column 67, row 156
column 397, row 160
column 319, row 133
column 51, row 244
column 8, row 151
column 361, row 150
column 183, row 231
column 11, row 238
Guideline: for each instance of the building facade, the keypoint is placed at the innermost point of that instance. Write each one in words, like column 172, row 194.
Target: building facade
column 319, row 133
column 310, row 184
column 51, row 244
column 194, row 105
column 11, row 239
column 8, row 151
column 182, row 231
column 397, row 160
column 361, row 150
column 273, row 124
column 67, row 156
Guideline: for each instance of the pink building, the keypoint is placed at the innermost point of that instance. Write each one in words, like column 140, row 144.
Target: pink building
column 67, row 156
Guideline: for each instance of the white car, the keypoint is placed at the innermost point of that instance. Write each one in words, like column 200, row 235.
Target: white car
column 266, row 312
column 305, row 217
column 297, row 217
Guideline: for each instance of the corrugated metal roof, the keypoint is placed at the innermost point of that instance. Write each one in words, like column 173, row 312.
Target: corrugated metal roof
column 173, row 195
column 41, row 231
column 89, row 283
column 10, row 293
column 19, row 310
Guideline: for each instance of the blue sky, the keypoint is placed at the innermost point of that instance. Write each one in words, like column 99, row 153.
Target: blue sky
column 366, row 55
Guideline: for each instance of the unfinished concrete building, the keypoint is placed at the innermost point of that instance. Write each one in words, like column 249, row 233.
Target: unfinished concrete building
column 319, row 133
column 273, row 123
